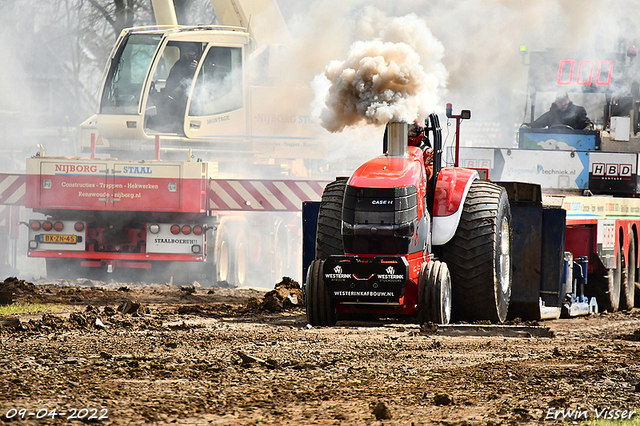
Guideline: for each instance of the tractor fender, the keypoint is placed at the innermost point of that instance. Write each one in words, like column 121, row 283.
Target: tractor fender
column 450, row 193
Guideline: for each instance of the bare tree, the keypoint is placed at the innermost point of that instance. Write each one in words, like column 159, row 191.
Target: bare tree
column 54, row 53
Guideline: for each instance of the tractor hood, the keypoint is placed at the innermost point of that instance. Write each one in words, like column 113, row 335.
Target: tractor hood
column 390, row 172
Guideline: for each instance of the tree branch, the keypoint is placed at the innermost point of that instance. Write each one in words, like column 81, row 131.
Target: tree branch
column 104, row 13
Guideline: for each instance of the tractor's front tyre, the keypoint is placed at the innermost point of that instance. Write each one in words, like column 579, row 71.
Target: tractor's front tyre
column 434, row 288
column 319, row 306
column 479, row 255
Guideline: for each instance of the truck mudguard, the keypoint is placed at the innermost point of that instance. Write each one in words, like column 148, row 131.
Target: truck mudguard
column 451, row 190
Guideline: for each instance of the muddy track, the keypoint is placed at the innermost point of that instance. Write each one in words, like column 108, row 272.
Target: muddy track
column 192, row 355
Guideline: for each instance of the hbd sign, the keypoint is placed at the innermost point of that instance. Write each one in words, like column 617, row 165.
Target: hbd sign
column 611, row 170
column 613, row 173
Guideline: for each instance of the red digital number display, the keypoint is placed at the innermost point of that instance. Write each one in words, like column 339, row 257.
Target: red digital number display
column 585, row 74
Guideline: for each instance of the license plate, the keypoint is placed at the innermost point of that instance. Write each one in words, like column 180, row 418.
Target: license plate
column 58, row 239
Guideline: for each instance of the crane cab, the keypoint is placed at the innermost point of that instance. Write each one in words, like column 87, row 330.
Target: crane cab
column 180, row 83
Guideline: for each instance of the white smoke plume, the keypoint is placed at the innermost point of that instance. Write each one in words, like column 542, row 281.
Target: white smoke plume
column 384, row 79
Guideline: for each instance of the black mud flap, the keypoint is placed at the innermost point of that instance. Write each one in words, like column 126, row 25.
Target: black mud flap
column 379, row 279
column 310, row 210
column 537, row 253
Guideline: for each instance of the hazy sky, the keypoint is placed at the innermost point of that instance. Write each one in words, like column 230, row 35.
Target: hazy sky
column 468, row 49
column 481, row 38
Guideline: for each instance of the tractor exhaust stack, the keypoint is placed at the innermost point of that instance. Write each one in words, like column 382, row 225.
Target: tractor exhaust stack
column 398, row 139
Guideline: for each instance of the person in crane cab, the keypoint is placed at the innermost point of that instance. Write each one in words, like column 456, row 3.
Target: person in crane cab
column 171, row 107
column 563, row 112
column 182, row 73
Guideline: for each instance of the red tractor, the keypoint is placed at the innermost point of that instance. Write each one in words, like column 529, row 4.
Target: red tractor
column 403, row 237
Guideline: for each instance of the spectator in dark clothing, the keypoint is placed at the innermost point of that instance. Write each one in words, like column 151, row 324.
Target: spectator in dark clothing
column 564, row 112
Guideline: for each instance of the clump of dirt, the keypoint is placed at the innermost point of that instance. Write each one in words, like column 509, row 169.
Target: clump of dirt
column 132, row 307
column 18, row 287
column 633, row 337
column 92, row 319
column 286, row 295
column 382, row 411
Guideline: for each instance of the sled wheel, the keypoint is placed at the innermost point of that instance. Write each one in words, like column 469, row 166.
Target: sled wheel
column 606, row 289
column 605, row 285
column 329, row 234
column 627, row 281
column 320, row 309
column 479, row 255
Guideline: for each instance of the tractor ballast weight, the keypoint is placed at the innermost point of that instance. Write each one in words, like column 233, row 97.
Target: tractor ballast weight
column 404, row 238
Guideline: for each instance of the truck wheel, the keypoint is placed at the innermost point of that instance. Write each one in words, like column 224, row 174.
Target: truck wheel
column 434, row 287
column 628, row 282
column 479, row 255
column 232, row 256
column 240, row 258
column 329, row 234
column 320, row 309
column 223, row 259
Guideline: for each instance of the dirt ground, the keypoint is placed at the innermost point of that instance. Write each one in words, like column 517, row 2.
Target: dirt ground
column 158, row 354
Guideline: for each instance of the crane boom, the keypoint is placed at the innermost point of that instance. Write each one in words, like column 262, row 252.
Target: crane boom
column 269, row 29
column 165, row 12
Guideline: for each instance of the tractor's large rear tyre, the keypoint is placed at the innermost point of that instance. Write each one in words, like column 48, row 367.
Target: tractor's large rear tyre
column 320, row 308
column 329, row 234
column 434, row 298
column 479, row 255
column 628, row 282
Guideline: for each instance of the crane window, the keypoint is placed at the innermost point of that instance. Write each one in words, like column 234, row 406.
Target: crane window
column 127, row 73
column 218, row 86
